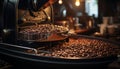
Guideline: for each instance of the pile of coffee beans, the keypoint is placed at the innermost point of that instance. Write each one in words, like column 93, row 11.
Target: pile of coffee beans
column 40, row 32
column 81, row 48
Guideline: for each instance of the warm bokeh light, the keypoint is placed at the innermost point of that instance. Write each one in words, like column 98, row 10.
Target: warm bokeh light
column 77, row 2
column 60, row 1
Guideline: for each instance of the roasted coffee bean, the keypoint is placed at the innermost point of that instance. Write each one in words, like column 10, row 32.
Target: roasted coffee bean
column 81, row 47
column 41, row 32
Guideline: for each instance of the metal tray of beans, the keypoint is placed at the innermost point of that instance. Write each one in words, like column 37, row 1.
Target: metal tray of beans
column 79, row 51
column 42, row 33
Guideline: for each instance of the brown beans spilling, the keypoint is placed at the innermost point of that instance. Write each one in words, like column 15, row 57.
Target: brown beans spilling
column 81, row 48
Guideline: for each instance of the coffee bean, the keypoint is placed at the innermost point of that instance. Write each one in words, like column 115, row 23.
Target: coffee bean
column 82, row 47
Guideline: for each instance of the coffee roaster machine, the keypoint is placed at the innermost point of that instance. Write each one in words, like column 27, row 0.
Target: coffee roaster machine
column 14, row 14
column 20, row 13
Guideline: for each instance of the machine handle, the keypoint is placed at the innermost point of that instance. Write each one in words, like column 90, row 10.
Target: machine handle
column 16, row 46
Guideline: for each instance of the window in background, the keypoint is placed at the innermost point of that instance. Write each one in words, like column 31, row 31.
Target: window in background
column 91, row 7
column 64, row 12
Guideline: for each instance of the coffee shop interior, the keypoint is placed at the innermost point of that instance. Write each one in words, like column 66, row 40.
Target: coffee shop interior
column 90, row 17
column 60, row 33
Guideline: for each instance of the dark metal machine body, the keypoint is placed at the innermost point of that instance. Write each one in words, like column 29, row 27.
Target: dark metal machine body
column 13, row 13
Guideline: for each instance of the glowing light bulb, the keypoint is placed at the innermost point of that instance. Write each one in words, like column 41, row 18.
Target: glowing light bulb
column 77, row 3
column 60, row 1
